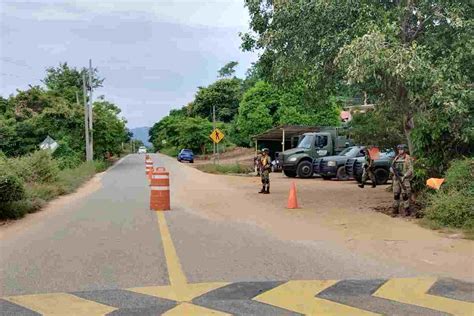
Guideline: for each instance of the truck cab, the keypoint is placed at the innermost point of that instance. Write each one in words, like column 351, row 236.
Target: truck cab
column 299, row 161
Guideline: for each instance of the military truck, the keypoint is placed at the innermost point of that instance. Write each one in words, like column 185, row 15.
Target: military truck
column 299, row 161
column 335, row 166
column 354, row 167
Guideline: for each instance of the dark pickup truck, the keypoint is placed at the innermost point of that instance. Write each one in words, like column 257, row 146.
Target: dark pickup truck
column 334, row 166
column 354, row 167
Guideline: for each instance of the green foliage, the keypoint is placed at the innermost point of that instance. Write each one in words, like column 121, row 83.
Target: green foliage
column 224, row 94
column 109, row 130
column 373, row 128
column 255, row 111
column 453, row 204
column 225, row 169
column 66, row 157
column 170, row 151
column 38, row 167
column 11, row 186
column 29, row 116
column 228, row 69
column 66, row 81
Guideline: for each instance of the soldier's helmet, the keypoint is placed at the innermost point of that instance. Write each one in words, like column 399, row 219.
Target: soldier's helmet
column 266, row 150
column 402, row 146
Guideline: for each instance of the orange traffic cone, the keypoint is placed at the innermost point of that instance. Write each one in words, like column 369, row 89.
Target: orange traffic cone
column 292, row 200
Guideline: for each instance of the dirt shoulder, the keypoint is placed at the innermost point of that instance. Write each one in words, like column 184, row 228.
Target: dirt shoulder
column 330, row 211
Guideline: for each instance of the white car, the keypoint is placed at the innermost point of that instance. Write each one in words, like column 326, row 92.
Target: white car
column 142, row 150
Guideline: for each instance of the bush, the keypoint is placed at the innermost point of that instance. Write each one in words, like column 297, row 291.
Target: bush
column 37, row 167
column 70, row 179
column 218, row 169
column 11, row 187
column 66, row 156
column 170, row 151
column 453, row 204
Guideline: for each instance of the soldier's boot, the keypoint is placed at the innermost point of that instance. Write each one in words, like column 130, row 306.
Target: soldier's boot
column 406, row 204
column 262, row 190
column 268, row 189
column 396, row 205
column 374, row 184
column 361, row 185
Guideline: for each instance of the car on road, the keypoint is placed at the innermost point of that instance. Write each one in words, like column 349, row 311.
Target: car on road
column 142, row 150
column 334, row 166
column 186, row 155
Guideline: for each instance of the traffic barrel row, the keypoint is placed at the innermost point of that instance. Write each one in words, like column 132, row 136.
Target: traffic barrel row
column 160, row 190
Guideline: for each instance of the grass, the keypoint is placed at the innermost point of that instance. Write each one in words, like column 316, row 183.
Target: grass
column 468, row 233
column 170, row 151
column 235, row 168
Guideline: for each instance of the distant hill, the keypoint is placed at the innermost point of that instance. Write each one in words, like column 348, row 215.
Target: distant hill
column 141, row 133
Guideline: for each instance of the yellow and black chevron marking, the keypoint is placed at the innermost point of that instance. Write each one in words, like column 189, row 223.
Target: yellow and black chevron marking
column 410, row 296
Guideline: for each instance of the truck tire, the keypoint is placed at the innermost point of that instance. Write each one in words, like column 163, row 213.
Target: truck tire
column 305, row 169
column 381, row 176
column 290, row 174
column 341, row 173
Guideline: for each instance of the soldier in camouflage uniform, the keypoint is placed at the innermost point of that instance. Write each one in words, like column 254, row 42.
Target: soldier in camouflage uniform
column 402, row 170
column 368, row 170
column 265, row 167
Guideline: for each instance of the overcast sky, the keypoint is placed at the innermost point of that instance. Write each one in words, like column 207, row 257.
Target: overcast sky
column 154, row 53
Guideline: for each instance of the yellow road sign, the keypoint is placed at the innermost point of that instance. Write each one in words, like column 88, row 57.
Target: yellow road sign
column 216, row 136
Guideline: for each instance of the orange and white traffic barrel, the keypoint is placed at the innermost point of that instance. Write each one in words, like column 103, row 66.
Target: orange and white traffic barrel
column 148, row 166
column 160, row 190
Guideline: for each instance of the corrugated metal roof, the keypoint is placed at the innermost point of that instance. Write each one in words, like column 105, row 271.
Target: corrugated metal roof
column 276, row 133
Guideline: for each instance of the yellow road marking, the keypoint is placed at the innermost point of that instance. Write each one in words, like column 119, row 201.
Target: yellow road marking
column 184, row 293
column 179, row 290
column 190, row 309
column 175, row 271
column 299, row 296
column 413, row 291
column 61, row 304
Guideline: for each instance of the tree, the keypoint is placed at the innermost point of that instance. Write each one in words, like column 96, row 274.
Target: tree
column 228, row 70
column 414, row 59
column 109, row 129
column 255, row 111
column 224, row 94
column 66, row 81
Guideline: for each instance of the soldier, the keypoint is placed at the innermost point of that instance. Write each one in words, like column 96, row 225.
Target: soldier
column 368, row 170
column 402, row 170
column 265, row 167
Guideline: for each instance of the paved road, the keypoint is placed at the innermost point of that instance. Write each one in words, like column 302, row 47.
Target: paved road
column 108, row 254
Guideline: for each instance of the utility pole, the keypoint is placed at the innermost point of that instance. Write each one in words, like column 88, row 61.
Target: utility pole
column 214, row 128
column 91, row 141
column 86, row 115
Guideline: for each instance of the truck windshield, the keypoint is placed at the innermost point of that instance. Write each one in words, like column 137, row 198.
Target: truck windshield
column 306, row 142
column 321, row 141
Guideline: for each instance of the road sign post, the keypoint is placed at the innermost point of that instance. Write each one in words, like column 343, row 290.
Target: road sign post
column 217, row 136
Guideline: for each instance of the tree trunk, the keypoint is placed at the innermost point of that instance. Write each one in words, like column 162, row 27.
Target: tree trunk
column 408, row 126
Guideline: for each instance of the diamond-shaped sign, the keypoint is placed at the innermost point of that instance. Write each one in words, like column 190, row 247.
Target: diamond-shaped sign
column 216, row 136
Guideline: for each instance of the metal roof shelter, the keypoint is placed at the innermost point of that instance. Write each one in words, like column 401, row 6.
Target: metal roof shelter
column 284, row 133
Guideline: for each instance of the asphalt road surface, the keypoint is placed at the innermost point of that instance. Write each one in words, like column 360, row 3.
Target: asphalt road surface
column 219, row 251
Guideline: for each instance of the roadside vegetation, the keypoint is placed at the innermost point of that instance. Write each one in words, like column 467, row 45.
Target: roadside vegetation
column 29, row 177
column 235, row 168
column 411, row 60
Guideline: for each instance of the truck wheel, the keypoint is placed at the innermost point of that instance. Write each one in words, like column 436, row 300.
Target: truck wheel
column 381, row 176
column 305, row 169
column 290, row 174
column 341, row 173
